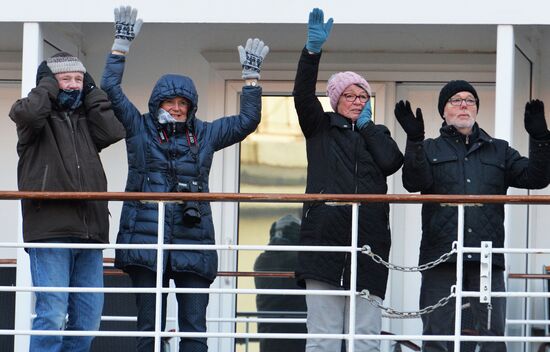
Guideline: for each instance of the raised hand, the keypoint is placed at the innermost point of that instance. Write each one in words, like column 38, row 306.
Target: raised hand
column 535, row 122
column 317, row 30
column 252, row 57
column 127, row 27
column 413, row 125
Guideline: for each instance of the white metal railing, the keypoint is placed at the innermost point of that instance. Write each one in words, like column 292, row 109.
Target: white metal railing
column 351, row 336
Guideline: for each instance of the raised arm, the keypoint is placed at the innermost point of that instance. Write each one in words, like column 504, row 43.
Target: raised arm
column 30, row 114
column 233, row 129
column 127, row 27
column 417, row 173
column 533, row 172
column 308, row 107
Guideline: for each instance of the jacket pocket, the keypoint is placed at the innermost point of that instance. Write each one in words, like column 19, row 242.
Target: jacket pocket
column 445, row 168
column 493, row 172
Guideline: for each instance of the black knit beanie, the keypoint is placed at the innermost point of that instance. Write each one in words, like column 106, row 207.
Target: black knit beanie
column 451, row 89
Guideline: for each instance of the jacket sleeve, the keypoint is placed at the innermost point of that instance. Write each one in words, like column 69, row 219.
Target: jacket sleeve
column 104, row 127
column 382, row 147
column 532, row 172
column 31, row 114
column 229, row 130
column 417, row 172
column 111, row 81
column 309, row 108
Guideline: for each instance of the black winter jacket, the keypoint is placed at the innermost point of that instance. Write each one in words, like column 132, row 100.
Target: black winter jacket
column 345, row 160
column 479, row 164
column 58, row 151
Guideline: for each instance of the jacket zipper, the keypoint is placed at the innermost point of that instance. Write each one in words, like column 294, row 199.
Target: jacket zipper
column 77, row 160
column 78, row 170
column 355, row 167
column 44, row 178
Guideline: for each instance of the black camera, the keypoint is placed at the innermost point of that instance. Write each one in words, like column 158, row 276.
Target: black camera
column 191, row 213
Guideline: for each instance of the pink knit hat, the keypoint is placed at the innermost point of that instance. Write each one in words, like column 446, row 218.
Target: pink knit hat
column 338, row 82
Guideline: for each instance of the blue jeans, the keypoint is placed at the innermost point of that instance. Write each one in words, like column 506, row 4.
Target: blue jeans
column 191, row 307
column 65, row 267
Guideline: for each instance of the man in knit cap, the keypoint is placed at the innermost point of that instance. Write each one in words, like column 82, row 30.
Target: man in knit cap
column 61, row 126
column 464, row 159
column 347, row 153
column 284, row 232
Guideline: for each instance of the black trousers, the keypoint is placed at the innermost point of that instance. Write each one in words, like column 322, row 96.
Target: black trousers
column 191, row 308
column 436, row 284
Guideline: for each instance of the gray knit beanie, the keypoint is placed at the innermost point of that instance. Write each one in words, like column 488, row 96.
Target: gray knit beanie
column 65, row 62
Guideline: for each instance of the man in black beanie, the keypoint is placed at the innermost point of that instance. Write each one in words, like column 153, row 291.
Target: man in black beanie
column 62, row 125
column 464, row 159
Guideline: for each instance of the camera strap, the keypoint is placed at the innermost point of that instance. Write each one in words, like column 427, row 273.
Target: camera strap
column 192, row 140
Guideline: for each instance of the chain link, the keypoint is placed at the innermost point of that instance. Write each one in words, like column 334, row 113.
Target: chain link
column 395, row 314
column 378, row 259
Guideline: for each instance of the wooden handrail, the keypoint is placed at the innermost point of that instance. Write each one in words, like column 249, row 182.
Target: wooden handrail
column 529, row 276
column 279, row 197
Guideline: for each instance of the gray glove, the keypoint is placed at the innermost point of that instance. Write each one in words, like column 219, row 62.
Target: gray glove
column 126, row 28
column 252, row 56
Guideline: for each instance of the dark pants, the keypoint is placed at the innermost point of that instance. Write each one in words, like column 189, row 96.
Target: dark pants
column 191, row 308
column 436, row 284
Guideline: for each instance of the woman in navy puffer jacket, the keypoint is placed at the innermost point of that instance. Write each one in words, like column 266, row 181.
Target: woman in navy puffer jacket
column 170, row 150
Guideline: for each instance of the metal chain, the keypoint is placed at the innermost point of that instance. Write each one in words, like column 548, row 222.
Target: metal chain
column 395, row 314
column 378, row 259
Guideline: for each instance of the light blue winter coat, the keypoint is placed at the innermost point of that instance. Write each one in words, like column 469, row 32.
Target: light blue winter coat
column 157, row 166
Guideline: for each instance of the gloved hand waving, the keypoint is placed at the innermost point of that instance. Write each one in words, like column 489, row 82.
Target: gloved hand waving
column 127, row 28
column 413, row 125
column 317, row 30
column 251, row 57
column 365, row 117
column 535, row 122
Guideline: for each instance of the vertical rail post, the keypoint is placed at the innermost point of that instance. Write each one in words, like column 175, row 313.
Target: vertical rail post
column 32, row 55
column 158, row 287
column 353, row 274
column 459, row 269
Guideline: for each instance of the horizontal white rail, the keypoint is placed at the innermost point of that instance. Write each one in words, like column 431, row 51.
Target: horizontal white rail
column 231, row 291
column 277, row 335
column 178, row 247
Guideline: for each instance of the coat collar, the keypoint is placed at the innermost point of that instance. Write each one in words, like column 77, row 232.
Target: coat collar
column 339, row 121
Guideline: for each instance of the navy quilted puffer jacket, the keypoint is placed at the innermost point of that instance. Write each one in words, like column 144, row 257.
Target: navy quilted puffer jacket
column 158, row 166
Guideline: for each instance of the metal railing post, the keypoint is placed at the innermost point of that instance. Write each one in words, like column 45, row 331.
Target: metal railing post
column 459, row 269
column 160, row 266
column 353, row 273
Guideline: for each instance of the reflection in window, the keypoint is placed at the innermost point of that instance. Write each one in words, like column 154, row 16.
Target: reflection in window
column 273, row 160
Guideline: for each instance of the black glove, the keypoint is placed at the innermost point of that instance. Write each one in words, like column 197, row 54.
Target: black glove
column 88, row 84
column 43, row 71
column 413, row 125
column 535, row 123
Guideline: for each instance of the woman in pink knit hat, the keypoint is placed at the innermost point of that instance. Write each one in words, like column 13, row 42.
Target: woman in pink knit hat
column 347, row 154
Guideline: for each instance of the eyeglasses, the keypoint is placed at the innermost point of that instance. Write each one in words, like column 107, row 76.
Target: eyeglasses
column 171, row 103
column 350, row 98
column 458, row 101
